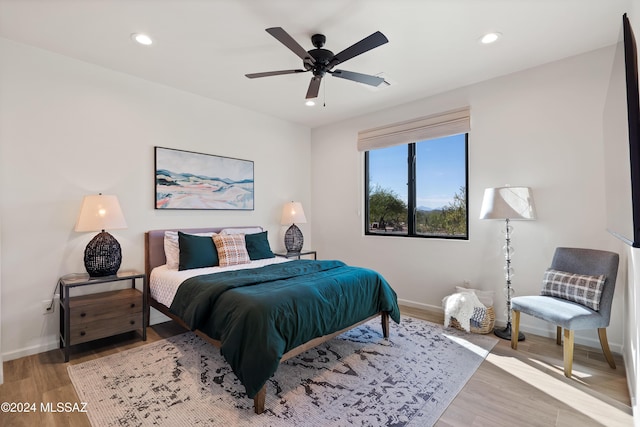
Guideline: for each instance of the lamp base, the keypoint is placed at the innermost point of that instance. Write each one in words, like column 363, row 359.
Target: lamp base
column 505, row 333
column 293, row 239
column 102, row 256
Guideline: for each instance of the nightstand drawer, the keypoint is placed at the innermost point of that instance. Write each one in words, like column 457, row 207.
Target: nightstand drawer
column 88, row 331
column 104, row 305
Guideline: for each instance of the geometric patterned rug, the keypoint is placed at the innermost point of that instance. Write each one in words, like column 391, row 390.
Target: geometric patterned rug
column 357, row 378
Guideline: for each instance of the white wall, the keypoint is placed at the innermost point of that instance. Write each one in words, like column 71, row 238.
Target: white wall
column 69, row 129
column 539, row 128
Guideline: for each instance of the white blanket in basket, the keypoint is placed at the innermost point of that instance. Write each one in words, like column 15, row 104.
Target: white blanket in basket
column 462, row 306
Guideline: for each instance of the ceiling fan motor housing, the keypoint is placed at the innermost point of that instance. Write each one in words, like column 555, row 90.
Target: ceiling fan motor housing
column 321, row 57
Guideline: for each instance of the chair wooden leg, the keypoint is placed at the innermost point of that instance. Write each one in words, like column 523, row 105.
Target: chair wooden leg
column 515, row 328
column 602, row 334
column 567, row 351
column 559, row 335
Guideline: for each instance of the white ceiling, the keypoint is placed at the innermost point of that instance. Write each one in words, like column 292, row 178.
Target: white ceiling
column 206, row 47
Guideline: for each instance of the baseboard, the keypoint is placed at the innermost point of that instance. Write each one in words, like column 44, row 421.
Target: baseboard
column 157, row 317
column 28, row 351
column 419, row 305
column 589, row 342
column 52, row 344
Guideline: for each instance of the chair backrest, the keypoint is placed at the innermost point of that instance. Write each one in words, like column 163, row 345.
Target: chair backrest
column 592, row 262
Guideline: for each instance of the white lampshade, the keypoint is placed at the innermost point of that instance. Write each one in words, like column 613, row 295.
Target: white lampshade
column 508, row 203
column 292, row 213
column 100, row 212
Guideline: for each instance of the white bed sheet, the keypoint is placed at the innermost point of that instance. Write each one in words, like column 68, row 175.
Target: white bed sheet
column 164, row 282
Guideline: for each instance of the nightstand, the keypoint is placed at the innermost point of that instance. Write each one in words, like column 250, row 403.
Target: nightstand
column 296, row 255
column 98, row 315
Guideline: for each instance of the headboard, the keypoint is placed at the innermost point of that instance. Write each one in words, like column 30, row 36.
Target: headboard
column 154, row 244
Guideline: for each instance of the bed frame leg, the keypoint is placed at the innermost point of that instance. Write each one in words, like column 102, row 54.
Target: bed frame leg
column 258, row 400
column 385, row 324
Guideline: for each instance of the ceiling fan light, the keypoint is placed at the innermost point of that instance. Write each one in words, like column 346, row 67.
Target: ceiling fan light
column 143, row 39
column 310, row 103
column 490, row 38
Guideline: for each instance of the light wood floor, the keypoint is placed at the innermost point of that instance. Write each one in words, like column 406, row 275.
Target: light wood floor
column 511, row 388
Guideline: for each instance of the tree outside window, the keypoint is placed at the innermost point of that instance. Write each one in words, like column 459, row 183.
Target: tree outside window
column 418, row 189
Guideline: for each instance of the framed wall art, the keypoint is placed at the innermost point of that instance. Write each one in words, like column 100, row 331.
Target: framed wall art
column 188, row 180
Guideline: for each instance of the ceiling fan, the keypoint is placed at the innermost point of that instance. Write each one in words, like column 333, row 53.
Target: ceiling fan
column 321, row 61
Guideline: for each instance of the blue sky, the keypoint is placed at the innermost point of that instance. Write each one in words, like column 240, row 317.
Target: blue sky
column 440, row 170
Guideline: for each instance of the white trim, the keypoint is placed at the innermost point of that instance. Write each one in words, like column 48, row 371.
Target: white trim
column 35, row 349
column 593, row 343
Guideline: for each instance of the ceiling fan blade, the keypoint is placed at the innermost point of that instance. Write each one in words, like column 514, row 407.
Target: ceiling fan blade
column 283, row 37
column 358, row 77
column 314, row 87
column 273, row 73
column 374, row 40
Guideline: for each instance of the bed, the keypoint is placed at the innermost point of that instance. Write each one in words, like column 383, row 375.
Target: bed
column 262, row 316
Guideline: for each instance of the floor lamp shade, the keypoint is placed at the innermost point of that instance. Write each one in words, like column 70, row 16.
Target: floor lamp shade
column 508, row 203
column 103, row 255
column 292, row 213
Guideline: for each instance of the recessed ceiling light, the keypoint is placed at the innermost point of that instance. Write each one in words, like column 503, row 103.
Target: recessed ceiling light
column 310, row 103
column 490, row 38
column 142, row 38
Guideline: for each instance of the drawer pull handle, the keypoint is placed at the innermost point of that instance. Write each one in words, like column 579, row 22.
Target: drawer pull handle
column 133, row 304
column 82, row 333
column 83, row 314
column 133, row 322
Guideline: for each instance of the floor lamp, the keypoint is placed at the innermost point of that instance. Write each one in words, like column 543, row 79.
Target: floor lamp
column 508, row 203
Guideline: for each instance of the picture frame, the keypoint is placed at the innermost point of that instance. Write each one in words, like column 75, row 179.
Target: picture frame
column 198, row 181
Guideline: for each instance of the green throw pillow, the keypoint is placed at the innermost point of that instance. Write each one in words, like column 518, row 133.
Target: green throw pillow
column 258, row 246
column 196, row 251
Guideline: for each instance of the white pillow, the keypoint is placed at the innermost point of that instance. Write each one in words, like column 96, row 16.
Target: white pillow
column 247, row 230
column 172, row 247
column 485, row 297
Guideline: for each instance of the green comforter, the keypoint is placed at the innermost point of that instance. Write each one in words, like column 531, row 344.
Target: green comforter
column 260, row 314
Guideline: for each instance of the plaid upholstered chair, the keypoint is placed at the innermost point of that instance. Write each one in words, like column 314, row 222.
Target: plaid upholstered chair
column 576, row 294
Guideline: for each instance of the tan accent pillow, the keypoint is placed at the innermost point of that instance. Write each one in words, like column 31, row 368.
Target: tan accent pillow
column 231, row 249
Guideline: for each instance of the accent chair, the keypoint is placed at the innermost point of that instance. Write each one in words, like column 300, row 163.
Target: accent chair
column 577, row 294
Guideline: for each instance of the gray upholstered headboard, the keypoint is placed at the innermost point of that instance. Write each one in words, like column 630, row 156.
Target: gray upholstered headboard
column 154, row 244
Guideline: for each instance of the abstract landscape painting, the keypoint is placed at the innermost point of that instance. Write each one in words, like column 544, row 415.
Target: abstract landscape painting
column 188, row 180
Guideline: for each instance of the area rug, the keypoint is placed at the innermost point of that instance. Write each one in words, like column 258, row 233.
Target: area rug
column 358, row 378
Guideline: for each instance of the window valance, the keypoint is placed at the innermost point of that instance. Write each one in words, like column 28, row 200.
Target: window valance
column 434, row 126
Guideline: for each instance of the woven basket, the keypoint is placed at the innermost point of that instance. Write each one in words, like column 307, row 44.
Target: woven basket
column 486, row 325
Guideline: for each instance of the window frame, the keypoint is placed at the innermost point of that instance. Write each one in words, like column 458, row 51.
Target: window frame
column 411, row 192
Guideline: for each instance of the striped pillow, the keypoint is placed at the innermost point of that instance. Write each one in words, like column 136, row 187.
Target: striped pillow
column 580, row 288
column 231, row 249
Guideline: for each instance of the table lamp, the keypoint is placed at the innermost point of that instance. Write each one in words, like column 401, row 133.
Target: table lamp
column 292, row 213
column 102, row 256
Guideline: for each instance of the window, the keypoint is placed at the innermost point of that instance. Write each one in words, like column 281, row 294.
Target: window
column 416, row 177
column 418, row 189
